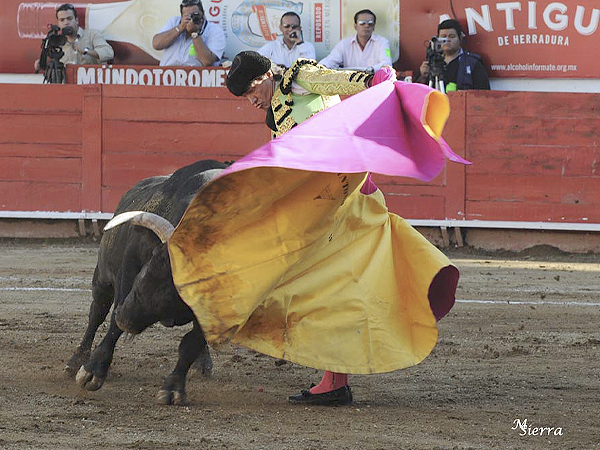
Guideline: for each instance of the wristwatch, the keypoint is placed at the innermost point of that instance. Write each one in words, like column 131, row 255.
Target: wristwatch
column 195, row 34
column 86, row 50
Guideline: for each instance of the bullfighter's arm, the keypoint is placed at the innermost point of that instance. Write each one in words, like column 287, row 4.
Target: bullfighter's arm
column 323, row 81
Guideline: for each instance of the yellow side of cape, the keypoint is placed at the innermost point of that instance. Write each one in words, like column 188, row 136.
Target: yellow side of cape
column 302, row 266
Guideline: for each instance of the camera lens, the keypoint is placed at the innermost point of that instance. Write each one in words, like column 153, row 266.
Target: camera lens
column 196, row 18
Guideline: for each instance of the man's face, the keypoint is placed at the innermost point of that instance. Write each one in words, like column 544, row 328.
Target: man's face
column 365, row 25
column 67, row 19
column 187, row 11
column 289, row 24
column 452, row 44
column 261, row 91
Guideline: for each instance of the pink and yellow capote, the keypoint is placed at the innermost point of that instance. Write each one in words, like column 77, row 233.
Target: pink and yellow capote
column 292, row 252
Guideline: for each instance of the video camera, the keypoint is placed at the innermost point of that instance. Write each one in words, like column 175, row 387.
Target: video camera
column 52, row 48
column 435, row 59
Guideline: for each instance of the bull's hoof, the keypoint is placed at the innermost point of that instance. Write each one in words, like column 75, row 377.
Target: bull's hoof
column 70, row 371
column 88, row 380
column 203, row 365
column 167, row 397
column 75, row 363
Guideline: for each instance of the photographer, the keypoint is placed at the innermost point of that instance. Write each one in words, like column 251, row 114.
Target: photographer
column 81, row 46
column 190, row 40
column 458, row 70
column 291, row 46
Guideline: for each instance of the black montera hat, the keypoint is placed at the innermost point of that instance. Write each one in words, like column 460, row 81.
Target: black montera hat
column 246, row 67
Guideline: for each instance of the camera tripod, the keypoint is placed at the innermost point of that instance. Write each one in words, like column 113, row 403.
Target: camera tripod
column 54, row 72
column 435, row 59
column 437, row 82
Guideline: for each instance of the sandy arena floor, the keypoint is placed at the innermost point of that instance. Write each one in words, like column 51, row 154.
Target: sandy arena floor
column 527, row 347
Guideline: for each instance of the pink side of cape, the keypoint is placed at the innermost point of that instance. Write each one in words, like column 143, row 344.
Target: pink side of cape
column 379, row 130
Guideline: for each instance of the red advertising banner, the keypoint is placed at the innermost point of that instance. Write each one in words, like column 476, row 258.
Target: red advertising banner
column 532, row 39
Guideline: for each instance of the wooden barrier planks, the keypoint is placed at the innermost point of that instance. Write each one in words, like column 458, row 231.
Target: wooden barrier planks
column 537, row 156
column 39, row 196
column 155, row 131
column 40, row 147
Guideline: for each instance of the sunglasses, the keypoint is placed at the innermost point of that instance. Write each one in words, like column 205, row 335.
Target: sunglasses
column 366, row 22
column 289, row 25
column 189, row 3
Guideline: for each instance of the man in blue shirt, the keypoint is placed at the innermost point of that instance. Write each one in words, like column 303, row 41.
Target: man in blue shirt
column 190, row 40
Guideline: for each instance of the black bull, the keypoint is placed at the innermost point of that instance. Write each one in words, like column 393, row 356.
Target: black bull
column 134, row 273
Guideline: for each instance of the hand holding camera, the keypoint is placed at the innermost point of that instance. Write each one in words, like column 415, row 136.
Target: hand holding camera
column 296, row 36
column 192, row 23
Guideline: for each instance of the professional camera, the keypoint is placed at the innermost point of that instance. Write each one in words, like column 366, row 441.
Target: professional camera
column 52, row 45
column 435, row 59
column 197, row 18
column 54, row 70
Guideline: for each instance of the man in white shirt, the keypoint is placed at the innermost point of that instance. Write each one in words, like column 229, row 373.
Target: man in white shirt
column 291, row 46
column 190, row 40
column 365, row 51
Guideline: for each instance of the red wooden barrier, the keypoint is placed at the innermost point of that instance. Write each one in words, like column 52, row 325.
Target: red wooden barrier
column 150, row 131
column 537, row 157
column 78, row 148
column 41, row 148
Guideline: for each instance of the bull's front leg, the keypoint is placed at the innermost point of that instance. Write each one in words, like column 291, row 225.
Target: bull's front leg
column 192, row 347
column 102, row 299
column 203, row 363
column 92, row 374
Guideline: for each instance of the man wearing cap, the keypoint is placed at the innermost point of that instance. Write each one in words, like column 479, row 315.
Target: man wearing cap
column 306, row 89
column 291, row 46
column 190, row 39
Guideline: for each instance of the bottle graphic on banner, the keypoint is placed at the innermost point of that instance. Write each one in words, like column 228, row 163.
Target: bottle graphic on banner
column 247, row 24
column 254, row 22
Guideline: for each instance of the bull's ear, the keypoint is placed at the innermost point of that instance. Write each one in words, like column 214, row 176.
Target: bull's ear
column 161, row 226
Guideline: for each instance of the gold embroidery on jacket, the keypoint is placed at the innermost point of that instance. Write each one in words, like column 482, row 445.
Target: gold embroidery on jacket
column 318, row 80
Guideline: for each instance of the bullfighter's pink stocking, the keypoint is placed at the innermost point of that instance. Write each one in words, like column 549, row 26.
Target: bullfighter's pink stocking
column 330, row 382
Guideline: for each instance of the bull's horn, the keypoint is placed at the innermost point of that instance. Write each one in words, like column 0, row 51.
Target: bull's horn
column 161, row 226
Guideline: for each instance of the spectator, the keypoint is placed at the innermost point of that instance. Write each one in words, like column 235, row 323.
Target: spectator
column 190, row 40
column 461, row 70
column 291, row 46
column 82, row 46
column 365, row 51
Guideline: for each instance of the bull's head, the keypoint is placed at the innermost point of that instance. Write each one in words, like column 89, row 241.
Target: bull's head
column 153, row 296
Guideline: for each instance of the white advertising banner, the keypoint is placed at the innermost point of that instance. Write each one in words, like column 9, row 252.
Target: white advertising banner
column 247, row 24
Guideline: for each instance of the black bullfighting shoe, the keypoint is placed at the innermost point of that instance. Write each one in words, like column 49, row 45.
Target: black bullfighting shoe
column 338, row 397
